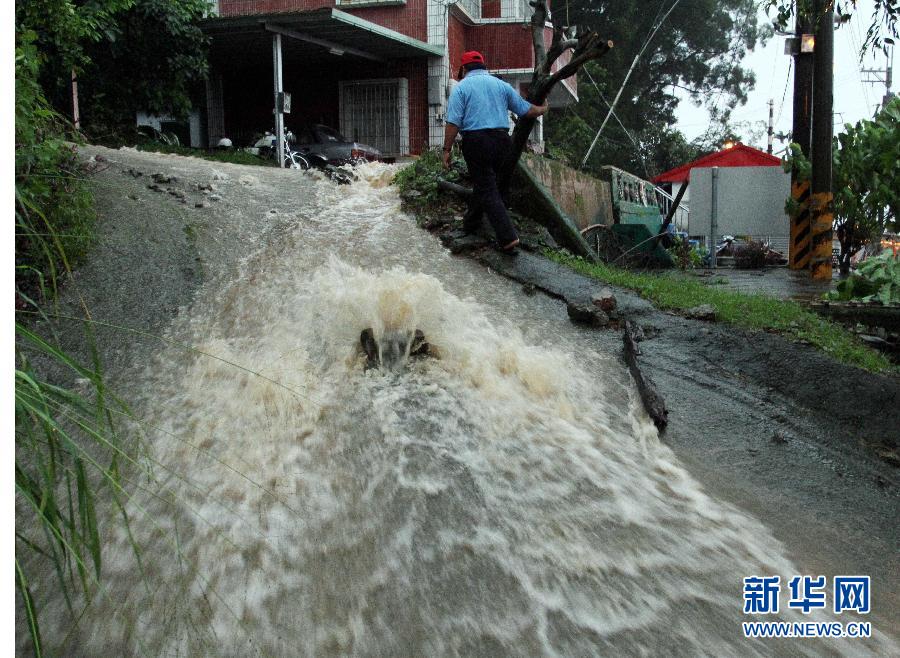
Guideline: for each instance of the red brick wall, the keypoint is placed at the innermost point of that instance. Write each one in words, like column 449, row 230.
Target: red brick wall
column 457, row 43
column 490, row 8
column 504, row 45
column 409, row 19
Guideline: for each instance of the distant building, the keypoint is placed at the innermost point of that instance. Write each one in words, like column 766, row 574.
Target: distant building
column 380, row 71
column 738, row 155
column 751, row 193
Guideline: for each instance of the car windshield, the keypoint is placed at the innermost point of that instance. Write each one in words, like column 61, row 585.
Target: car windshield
column 327, row 134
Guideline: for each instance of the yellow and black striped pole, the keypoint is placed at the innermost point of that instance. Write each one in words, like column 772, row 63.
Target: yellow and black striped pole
column 821, row 214
column 798, row 250
column 821, row 221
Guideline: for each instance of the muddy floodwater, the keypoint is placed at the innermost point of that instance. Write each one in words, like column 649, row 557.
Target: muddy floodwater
column 502, row 496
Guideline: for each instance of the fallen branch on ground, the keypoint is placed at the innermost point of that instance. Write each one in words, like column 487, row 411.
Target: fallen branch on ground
column 653, row 401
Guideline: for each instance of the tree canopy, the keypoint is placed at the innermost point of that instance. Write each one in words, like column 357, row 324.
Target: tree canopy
column 698, row 49
column 127, row 54
column 882, row 30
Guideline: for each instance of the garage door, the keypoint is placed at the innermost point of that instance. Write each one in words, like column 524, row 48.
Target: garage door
column 376, row 112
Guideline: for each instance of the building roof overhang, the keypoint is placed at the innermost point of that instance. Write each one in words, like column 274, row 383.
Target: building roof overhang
column 739, row 155
column 315, row 34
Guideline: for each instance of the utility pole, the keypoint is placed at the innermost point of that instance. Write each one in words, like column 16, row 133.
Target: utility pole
column 771, row 131
column 888, row 74
column 799, row 248
column 821, row 198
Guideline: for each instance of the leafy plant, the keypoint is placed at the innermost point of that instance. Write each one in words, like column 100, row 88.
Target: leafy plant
column 53, row 209
column 67, row 449
column 681, row 253
column 418, row 183
column 877, row 279
column 866, row 180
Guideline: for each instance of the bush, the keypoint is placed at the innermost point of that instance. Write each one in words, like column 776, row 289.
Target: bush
column 750, row 255
column 53, row 206
column 418, row 183
column 876, row 280
column 684, row 255
column 234, row 157
column 68, row 451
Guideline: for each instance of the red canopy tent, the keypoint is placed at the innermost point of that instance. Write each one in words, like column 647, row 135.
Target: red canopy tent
column 738, row 155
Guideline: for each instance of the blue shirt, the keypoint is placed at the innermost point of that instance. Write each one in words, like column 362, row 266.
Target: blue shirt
column 481, row 101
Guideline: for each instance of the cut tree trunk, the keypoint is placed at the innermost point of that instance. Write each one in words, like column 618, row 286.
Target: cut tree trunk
column 585, row 47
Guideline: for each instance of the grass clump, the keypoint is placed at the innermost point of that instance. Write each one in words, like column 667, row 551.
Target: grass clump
column 669, row 290
column 68, row 451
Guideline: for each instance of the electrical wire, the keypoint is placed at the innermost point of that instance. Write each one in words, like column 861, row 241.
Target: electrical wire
column 637, row 146
column 787, row 81
column 855, row 38
column 627, row 76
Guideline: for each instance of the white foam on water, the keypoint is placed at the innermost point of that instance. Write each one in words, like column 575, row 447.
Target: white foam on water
column 503, row 497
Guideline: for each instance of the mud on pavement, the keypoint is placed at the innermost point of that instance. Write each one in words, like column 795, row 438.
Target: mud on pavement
column 776, row 427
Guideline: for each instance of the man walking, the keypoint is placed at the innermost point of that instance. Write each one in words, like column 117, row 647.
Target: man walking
column 478, row 108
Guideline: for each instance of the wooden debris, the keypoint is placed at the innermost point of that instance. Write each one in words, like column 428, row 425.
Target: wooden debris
column 653, row 401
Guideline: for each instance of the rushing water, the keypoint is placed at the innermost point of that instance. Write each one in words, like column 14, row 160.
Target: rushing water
column 501, row 497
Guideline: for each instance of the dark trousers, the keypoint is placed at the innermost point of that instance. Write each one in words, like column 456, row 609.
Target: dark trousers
column 487, row 153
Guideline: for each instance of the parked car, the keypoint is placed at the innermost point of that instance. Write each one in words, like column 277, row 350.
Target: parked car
column 332, row 145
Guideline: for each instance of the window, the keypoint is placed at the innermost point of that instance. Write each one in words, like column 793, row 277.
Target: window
column 376, row 112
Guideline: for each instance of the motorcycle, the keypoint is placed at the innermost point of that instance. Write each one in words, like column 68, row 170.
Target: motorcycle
column 303, row 159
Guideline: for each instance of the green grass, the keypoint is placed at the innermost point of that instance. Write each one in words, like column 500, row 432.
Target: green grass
column 234, row 157
column 670, row 290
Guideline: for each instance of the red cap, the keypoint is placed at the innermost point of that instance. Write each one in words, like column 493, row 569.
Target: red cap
column 471, row 57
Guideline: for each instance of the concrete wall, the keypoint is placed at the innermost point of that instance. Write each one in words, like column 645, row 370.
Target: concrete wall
column 750, row 202
column 585, row 199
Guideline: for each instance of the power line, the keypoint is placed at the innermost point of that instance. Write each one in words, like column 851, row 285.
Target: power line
column 787, row 81
column 853, row 35
column 627, row 76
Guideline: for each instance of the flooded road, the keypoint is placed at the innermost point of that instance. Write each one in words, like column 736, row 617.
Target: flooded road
column 504, row 496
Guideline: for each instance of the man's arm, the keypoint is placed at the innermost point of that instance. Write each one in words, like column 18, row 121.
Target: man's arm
column 522, row 108
column 450, row 132
column 537, row 110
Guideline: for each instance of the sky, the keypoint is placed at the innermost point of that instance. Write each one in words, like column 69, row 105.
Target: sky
column 853, row 100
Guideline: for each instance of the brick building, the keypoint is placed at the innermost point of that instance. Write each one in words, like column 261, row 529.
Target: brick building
column 378, row 70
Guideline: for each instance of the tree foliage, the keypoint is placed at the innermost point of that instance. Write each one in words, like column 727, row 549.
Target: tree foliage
column 153, row 60
column 882, row 30
column 127, row 54
column 866, row 179
column 54, row 212
column 698, row 49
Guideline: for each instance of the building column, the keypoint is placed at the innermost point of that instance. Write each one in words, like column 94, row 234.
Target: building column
column 279, row 99
column 215, row 109
column 438, row 72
